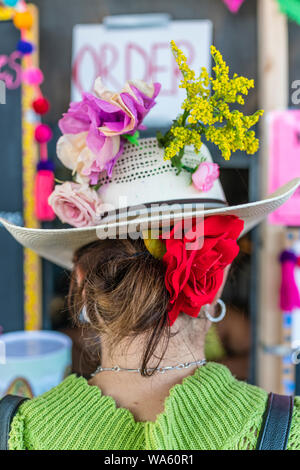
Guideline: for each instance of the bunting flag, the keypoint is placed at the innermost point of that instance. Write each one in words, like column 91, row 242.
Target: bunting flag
column 233, row 5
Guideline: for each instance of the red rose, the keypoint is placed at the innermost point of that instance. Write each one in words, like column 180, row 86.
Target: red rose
column 193, row 277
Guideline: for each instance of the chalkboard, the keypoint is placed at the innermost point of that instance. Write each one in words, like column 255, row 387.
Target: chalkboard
column 11, row 203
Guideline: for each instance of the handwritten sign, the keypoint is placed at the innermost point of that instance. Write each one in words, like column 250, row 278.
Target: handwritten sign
column 118, row 55
column 11, row 70
column 284, row 162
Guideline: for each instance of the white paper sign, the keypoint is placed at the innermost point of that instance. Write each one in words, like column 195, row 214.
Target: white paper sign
column 118, row 55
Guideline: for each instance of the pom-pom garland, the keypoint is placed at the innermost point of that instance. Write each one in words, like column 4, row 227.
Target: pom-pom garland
column 41, row 105
column 43, row 133
column 33, row 76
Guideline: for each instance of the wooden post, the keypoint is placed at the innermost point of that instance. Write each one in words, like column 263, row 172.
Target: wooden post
column 273, row 94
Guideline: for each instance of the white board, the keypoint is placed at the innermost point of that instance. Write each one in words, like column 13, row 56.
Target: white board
column 118, row 55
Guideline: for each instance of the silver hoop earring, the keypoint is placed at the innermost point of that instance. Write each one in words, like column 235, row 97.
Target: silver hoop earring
column 84, row 316
column 222, row 313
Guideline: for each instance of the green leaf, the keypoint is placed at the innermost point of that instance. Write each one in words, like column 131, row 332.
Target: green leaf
column 176, row 163
column 189, row 169
column 133, row 139
column 160, row 139
column 96, row 186
column 156, row 247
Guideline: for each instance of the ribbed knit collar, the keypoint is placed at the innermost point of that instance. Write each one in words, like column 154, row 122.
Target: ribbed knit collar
column 208, row 410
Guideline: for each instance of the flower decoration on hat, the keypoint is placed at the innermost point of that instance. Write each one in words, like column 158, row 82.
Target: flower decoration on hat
column 94, row 132
column 207, row 114
column 195, row 254
column 76, row 204
column 96, row 128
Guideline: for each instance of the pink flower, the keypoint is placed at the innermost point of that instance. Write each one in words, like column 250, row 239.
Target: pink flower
column 76, row 204
column 73, row 152
column 205, row 176
column 109, row 114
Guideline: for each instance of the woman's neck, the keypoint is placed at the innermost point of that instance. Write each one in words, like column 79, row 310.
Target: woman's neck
column 145, row 396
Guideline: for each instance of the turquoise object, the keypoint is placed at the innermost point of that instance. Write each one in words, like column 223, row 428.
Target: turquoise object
column 35, row 361
column 10, row 3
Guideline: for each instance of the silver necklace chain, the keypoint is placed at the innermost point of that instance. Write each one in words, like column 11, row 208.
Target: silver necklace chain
column 161, row 370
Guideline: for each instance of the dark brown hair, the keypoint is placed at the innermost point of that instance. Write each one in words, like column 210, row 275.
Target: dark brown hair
column 124, row 293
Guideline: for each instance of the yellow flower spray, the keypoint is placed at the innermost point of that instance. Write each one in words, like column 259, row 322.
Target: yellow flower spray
column 206, row 112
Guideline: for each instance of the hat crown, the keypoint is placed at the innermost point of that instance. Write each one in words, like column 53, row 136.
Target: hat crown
column 141, row 176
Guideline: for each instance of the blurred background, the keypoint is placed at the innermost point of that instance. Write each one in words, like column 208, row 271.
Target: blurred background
column 258, row 40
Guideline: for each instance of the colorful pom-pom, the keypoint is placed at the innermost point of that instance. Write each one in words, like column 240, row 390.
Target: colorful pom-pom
column 23, row 20
column 41, row 105
column 10, row 3
column 25, row 47
column 33, row 76
column 43, row 133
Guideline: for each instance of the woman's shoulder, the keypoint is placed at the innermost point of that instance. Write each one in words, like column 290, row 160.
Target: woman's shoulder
column 215, row 383
column 222, row 412
column 74, row 416
column 217, row 410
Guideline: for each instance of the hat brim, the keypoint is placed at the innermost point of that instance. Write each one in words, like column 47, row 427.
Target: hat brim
column 59, row 245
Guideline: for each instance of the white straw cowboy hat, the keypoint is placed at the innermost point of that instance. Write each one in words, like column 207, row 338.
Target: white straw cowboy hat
column 141, row 180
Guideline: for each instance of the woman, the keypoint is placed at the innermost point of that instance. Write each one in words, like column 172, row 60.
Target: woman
column 149, row 256
column 202, row 407
column 121, row 289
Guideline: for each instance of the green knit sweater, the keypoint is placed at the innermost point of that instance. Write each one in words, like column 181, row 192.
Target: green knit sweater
column 209, row 410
